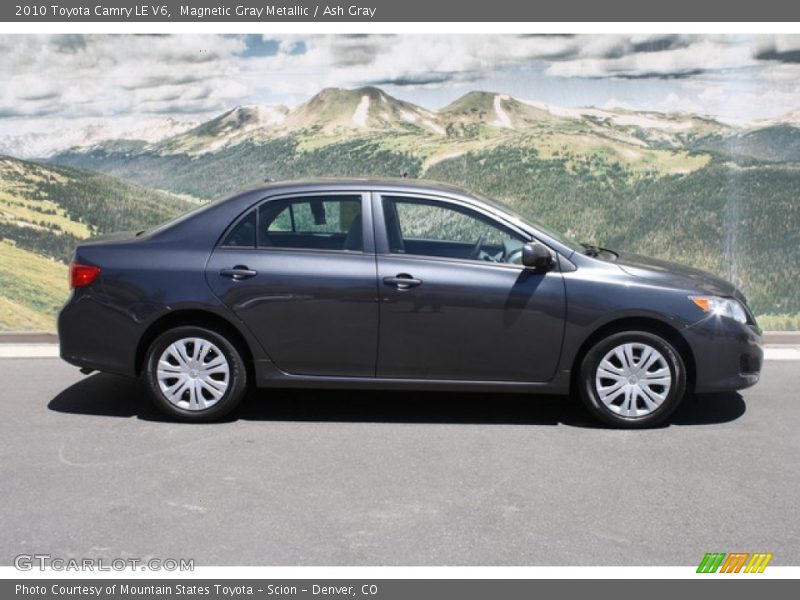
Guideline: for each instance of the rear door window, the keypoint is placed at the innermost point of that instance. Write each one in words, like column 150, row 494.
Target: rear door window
column 314, row 222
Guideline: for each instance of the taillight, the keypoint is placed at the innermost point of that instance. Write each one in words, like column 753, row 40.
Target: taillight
column 82, row 275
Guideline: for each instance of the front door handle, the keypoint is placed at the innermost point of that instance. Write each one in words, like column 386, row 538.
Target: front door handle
column 402, row 281
column 238, row 273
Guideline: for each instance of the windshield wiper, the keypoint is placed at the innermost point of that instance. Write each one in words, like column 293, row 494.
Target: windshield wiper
column 597, row 251
column 591, row 249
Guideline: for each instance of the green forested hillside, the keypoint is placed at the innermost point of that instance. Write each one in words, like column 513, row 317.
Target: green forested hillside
column 777, row 143
column 213, row 175
column 33, row 289
column 45, row 210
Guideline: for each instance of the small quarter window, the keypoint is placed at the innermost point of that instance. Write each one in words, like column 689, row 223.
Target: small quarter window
column 244, row 234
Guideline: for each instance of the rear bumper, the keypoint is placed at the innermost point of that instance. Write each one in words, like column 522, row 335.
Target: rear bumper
column 91, row 336
column 728, row 355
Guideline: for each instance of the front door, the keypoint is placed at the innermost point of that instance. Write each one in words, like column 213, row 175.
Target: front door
column 456, row 303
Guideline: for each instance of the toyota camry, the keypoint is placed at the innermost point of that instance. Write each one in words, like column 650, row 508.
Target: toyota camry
column 397, row 285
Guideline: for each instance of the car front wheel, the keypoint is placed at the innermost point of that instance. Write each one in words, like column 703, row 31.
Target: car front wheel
column 632, row 379
column 195, row 374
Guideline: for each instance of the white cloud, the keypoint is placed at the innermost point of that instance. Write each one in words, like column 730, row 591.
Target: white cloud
column 698, row 56
column 108, row 75
column 72, row 77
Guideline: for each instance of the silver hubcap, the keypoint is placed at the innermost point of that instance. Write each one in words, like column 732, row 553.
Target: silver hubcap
column 632, row 380
column 193, row 374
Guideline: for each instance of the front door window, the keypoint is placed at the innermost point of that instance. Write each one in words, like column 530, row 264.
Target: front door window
column 424, row 227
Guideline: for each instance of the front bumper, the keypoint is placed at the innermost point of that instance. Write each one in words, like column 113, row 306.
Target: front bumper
column 728, row 355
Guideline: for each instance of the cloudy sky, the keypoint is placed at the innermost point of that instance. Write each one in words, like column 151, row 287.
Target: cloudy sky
column 65, row 80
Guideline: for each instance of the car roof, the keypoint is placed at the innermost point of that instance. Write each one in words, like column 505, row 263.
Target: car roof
column 373, row 183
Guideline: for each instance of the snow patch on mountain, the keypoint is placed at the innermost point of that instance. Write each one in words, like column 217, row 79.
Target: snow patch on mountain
column 621, row 119
column 43, row 144
column 433, row 126
column 502, row 120
column 362, row 112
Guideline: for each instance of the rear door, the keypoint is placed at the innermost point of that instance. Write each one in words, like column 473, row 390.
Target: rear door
column 456, row 303
column 300, row 272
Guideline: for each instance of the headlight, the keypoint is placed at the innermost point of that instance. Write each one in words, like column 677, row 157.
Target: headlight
column 724, row 307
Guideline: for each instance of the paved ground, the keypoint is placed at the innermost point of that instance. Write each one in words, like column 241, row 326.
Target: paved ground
column 87, row 468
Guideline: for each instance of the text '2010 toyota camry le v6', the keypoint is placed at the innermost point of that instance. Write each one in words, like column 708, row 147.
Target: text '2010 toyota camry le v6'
column 397, row 285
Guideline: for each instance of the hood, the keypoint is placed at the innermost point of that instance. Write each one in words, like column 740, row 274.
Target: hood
column 672, row 274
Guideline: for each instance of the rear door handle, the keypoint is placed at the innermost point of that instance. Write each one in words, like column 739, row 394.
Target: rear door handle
column 403, row 281
column 238, row 273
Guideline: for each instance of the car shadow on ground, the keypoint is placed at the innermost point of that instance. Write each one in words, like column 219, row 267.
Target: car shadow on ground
column 113, row 396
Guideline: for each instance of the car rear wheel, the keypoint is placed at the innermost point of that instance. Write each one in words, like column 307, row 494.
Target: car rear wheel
column 632, row 379
column 195, row 374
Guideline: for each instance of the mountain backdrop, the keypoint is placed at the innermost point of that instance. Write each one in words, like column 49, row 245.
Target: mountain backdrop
column 680, row 186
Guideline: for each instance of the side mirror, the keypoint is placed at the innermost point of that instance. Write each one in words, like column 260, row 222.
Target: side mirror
column 537, row 256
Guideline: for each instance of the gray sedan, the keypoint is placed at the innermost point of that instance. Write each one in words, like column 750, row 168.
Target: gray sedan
column 397, row 285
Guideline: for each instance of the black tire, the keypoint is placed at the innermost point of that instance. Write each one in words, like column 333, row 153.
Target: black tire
column 236, row 376
column 672, row 398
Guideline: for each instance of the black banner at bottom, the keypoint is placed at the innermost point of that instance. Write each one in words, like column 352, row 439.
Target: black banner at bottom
column 393, row 589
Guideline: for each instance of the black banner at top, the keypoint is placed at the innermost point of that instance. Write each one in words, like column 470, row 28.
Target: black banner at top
column 263, row 11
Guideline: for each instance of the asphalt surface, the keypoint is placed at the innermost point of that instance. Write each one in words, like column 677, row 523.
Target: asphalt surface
column 89, row 469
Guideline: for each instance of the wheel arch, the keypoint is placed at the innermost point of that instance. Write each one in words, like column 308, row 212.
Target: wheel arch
column 199, row 318
column 651, row 325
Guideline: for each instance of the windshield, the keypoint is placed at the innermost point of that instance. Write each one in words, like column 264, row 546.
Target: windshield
column 524, row 217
